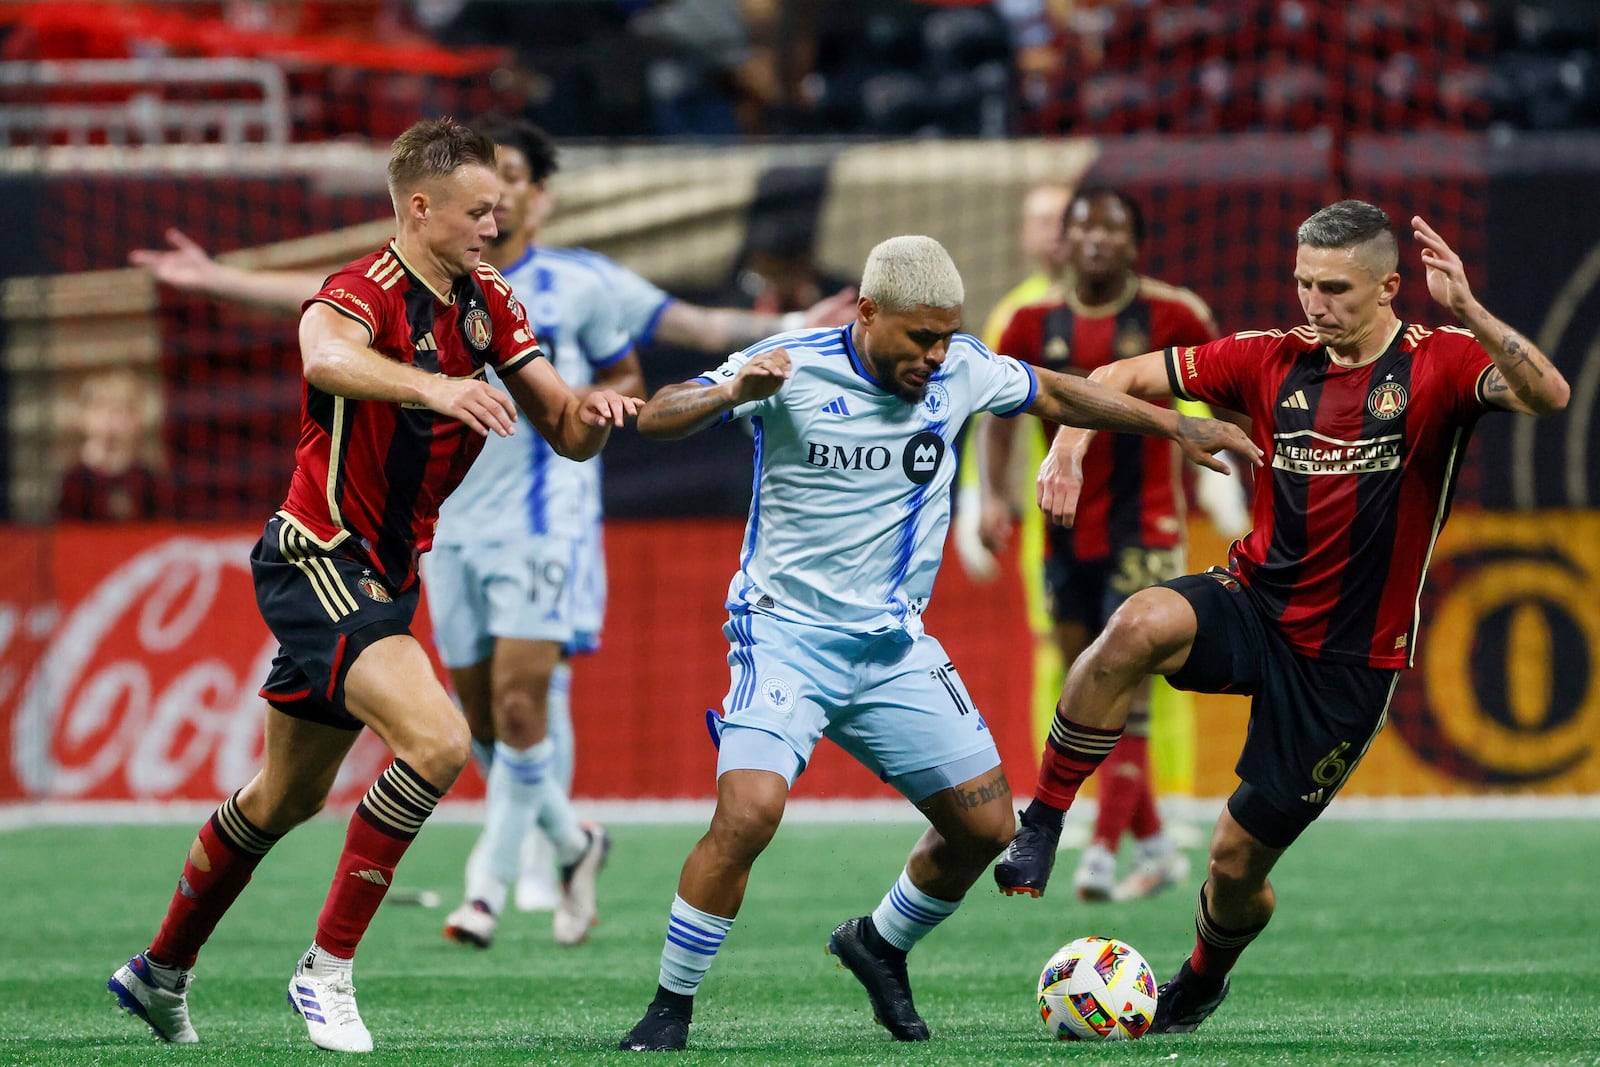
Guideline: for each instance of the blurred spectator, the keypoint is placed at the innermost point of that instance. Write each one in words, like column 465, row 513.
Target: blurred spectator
column 118, row 476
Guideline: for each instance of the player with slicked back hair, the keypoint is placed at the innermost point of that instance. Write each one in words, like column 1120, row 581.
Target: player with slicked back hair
column 1366, row 419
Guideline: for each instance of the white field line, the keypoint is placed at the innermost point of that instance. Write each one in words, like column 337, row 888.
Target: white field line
column 698, row 811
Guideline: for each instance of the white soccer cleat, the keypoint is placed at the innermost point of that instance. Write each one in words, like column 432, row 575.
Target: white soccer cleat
column 158, row 995
column 1095, row 879
column 536, row 883
column 325, row 997
column 471, row 924
column 1158, row 864
column 577, row 909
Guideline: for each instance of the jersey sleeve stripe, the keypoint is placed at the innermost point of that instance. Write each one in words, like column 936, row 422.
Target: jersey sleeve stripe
column 520, row 360
column 372, row 331
column 614, row 358
column 1483, row 379
column 646, row 335
column 1033, row 391
column 1174, row 376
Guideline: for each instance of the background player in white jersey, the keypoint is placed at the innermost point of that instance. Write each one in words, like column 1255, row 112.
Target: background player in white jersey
column 846, row 532
column 586, row 351
column 517, row 584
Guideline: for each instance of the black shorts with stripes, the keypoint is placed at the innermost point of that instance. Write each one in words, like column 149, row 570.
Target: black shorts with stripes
column 1311, row 720
column 324, row 606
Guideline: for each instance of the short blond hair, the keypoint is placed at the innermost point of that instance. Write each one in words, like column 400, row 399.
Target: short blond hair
column 433, row 149
column 911, row 271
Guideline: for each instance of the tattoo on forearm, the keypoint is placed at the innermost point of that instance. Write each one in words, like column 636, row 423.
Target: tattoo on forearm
column 703, row 402
column 992, row 789
column 1495, row 384
column 1517, row 353
column 1097, row 408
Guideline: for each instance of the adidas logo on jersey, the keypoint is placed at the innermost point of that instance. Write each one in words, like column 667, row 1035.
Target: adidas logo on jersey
column 837, row 406
column 1297, row 401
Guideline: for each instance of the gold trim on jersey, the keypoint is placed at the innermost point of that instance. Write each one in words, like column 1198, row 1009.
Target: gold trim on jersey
column 319, row 570
column 1333, row 357
column 493, row 276
column 386, row 269
column 443, row 298
column 337, row 540
column 335, row 447
column 1069, row 297
column 1156, row 289
column 1433, row 541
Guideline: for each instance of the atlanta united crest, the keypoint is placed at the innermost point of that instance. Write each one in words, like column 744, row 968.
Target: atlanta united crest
column 477, row 328
column 373, row 589
column 1387, row 401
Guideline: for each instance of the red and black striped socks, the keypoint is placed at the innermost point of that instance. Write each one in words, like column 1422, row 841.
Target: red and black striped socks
column 382, row 828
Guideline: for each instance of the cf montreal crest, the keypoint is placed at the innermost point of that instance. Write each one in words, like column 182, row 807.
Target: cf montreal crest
column 936, row 403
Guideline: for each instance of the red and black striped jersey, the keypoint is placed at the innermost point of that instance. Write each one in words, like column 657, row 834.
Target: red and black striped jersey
column 377, row 471
column 1363, row 464
column 1132, row 493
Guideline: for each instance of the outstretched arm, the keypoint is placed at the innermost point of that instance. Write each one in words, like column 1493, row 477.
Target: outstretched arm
column 722, row 330
column 577, row 427
column 1107, row 401
column 689, row 407
column 1523, row 378
column 185, row 265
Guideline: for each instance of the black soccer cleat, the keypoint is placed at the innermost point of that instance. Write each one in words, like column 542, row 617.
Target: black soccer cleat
column 1186, row 1001
column 1025, row 865
column 881, row 968
column 664, row 1028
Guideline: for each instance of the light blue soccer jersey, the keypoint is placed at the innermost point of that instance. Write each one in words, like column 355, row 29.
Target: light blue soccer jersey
column 852, row 484
column 519, row 487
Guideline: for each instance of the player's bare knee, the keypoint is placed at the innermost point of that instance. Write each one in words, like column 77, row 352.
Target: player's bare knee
column 741, row 831
column 520, row 714
column 438, row 750
column 1140, row 635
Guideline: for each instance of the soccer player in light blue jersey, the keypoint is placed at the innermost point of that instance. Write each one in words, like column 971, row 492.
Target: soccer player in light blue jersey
column 516, row 580
column 853, row 429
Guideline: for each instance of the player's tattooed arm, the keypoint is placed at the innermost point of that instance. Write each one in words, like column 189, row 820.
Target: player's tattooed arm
column 1523, row 378
column 688, row 407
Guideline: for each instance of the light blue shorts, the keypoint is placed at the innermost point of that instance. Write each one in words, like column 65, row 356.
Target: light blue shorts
column 893, row 702
column 523, row 590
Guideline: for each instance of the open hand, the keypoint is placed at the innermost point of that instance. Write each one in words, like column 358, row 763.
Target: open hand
column 1447, row 277
column 1059, row 483
column 762, row 376
column 185, row 265
column 604, row 407
column 1200, row 438
column 476, row 403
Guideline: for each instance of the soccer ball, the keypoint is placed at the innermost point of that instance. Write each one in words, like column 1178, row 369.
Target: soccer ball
column 1097, row 989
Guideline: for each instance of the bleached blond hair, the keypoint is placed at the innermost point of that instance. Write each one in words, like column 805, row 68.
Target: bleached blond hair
column 910, row 271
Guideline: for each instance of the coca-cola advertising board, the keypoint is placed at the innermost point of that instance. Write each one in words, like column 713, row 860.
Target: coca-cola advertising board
column 131, row 658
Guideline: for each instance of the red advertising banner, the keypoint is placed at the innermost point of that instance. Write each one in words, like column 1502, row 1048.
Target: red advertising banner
column 130, row 659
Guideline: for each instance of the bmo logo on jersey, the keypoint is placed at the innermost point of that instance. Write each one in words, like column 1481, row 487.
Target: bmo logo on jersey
column 922, row 455
column 846, row 457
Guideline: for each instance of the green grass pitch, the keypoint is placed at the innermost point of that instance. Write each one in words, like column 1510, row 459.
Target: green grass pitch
column 1395, row 943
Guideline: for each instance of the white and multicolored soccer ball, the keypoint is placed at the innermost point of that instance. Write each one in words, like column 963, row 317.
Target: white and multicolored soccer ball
column 1097, row 989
